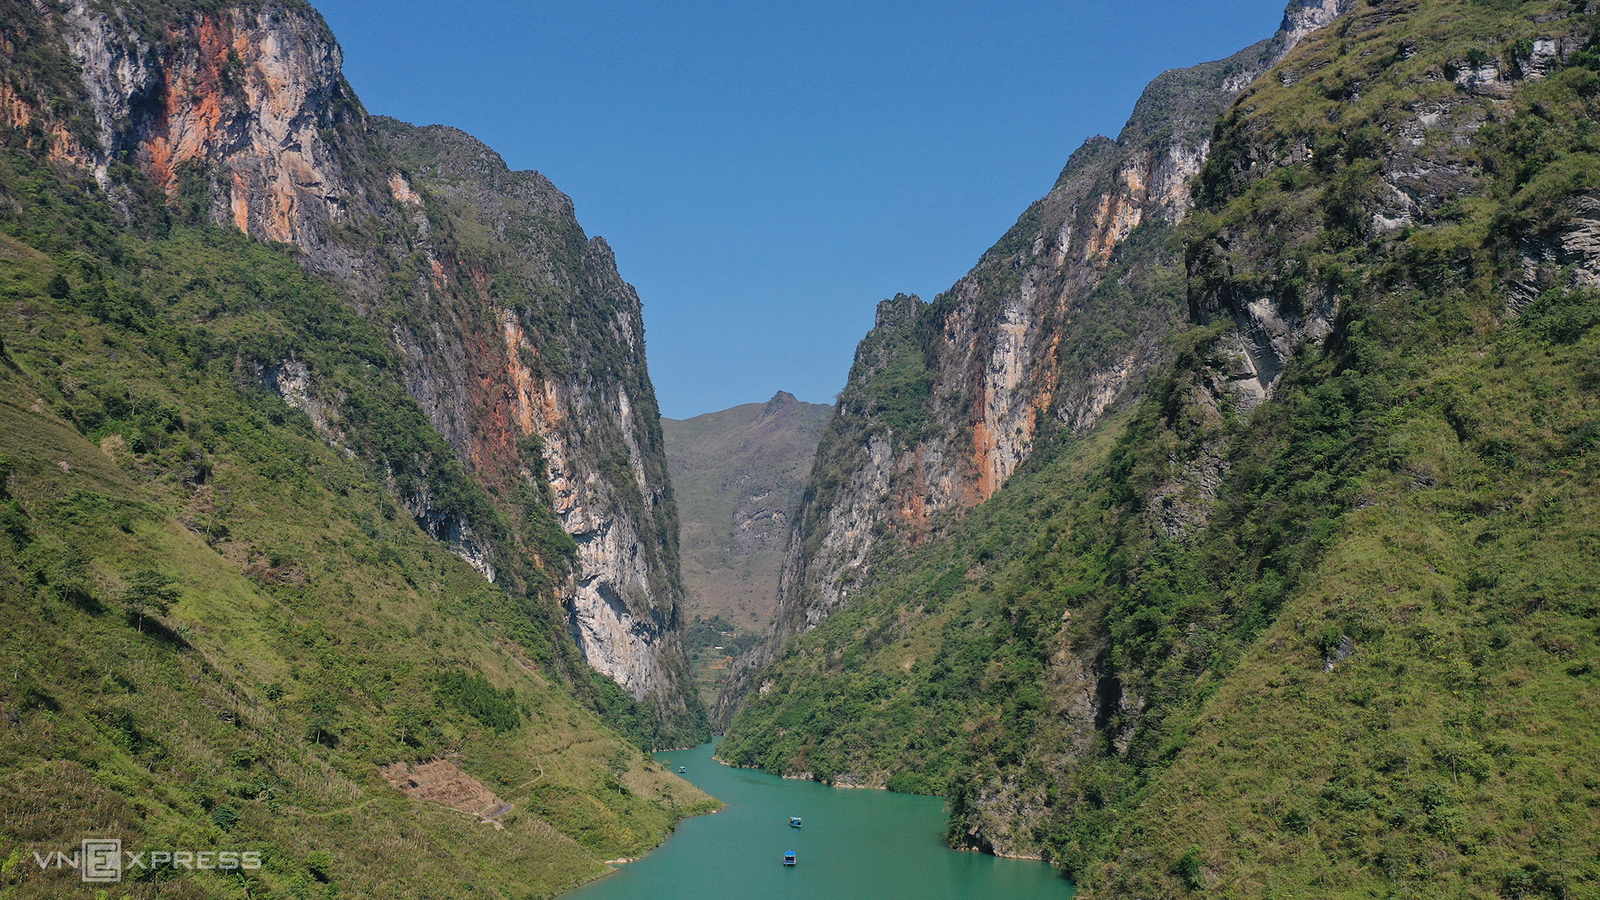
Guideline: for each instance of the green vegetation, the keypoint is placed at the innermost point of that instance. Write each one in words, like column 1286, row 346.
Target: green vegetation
column 886, row 687
column 1338, row 644
column 475, row 696
column 37, row 70
column 717, row 634
column 713, row 644
column 891, row 385
column 219, row 616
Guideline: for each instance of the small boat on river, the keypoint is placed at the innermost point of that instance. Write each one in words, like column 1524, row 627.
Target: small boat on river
column 682, row 769
column 794, row 821
column 788, row 858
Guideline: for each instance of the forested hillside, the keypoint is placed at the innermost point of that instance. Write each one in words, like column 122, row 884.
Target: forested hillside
column 337, row 526
column 1316, row 615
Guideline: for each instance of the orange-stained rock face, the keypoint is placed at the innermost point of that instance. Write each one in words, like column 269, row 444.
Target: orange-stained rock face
column 1024, row 341
column 192, row 114
column 983, row 447
column 242, row 112
column 17, row 113
column 245, row 97
column 239, row 203
column 401, row 190
column 1020, row 359
column 1117, row 215
column 1149, row 184
column 537, row 409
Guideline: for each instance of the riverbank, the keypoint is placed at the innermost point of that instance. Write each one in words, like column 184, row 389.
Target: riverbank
column 856, row 845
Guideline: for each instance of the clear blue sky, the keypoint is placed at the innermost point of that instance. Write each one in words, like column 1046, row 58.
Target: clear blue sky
column 766, row 173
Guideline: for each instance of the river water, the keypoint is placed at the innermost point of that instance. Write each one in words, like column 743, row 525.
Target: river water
column 854, row 845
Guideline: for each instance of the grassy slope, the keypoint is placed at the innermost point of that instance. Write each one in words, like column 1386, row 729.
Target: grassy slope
column 312, row 616
column 737, row 476
column 1423, row 486
column 735, row 468
column 1452, row 753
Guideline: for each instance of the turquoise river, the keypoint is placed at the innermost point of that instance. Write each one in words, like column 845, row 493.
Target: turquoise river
column 853, row 845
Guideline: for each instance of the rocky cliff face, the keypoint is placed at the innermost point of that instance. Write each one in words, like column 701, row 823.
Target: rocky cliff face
column 516, row 334
column 1055, row 327
column 1416, row 170
column 1129, row 659
column 244, row 111
column 540, row 381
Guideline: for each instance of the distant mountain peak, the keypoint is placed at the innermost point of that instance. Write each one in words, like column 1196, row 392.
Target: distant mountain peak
column 737, row 475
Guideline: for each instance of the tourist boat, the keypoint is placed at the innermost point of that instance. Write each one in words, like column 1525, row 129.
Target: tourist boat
column 788, row 858
column 794, row 821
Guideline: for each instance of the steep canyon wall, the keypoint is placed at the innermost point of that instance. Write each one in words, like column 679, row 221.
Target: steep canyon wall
column 517, row 336
column 1056, row 326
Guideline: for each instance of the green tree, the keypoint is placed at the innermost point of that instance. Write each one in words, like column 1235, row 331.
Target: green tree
column 150, row 593
column 409, row 720
column 319, row 862
column 1188, row 868
column 324, row 716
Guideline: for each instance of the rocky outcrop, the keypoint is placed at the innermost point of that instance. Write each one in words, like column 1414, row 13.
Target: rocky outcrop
column 244, row 112
column 1055, row 328
column 540, row 381
column 1418, row 169
column 513, row 330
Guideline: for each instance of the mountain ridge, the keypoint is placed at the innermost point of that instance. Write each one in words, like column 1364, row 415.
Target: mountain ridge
column 331, row 452
column 1302, row 615
column 738, row 475
column 240, row 113
column 971, row 376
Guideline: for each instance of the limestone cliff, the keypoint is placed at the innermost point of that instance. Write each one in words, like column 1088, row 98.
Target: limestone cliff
column 515, row 332
column 242, row 111
column 541, row 381
column 1187, row 649
column 1056, row 326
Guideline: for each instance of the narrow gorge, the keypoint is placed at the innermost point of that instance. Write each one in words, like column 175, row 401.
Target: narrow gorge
column 1059, row 324
column 1228, row 528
